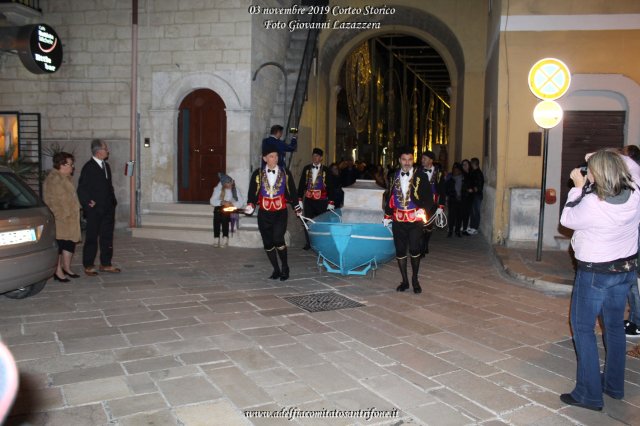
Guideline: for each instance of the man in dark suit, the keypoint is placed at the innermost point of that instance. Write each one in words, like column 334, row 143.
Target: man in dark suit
column 315, row 191
column 98, row 201
column 281, row 147
column 431, row 173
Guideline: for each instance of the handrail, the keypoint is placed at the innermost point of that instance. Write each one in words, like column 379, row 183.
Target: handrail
column 303, row 76
column 32, row 4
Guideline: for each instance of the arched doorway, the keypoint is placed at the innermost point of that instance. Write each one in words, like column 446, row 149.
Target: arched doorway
column 394, row 91
column 202, row 144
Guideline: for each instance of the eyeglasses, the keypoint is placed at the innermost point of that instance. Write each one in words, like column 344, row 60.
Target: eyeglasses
column 70, row 165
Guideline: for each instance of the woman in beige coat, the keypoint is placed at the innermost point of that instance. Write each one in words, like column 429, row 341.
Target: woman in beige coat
column 60, row 195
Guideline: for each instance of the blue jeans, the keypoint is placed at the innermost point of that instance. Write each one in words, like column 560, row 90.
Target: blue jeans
column 594, row 295
column 634, row 304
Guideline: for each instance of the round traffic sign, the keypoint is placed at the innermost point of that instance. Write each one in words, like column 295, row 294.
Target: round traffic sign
column 547, row 114
column 549, row 79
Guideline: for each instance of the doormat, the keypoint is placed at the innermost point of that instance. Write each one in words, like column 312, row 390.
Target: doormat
column 322, row 302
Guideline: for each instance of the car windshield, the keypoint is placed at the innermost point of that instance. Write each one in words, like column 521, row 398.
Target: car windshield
column 15, row 194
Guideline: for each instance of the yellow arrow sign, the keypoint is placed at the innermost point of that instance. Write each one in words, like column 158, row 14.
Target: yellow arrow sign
column 549, row 79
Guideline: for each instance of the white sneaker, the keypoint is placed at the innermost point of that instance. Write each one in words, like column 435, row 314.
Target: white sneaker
column 217, row 242
column 472, row 231
column 225, row 242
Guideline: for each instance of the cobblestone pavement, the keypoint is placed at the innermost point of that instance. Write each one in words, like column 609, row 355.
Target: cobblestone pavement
column 194, row 335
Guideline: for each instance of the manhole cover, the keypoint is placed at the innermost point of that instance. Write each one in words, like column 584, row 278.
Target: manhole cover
column 320, row 302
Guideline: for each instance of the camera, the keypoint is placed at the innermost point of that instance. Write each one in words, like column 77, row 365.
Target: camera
column 583, row 170
column 293, row 130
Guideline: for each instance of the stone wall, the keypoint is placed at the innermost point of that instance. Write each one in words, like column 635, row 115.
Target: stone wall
column 182, row 46
column 266, row 46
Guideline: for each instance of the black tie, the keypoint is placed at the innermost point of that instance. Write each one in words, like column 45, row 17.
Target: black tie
column 404, row 173
column 271, row 171
column 104, row 169
column 428, row 170
column 316, row 167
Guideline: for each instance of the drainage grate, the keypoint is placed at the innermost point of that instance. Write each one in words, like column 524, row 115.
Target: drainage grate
column 321, row 302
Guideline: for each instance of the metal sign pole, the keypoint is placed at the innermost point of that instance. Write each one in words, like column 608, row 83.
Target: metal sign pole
column 543, row 186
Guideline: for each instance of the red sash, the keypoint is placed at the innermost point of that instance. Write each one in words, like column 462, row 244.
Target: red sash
column 315, row 194
column 273, row 204
column 405, row 215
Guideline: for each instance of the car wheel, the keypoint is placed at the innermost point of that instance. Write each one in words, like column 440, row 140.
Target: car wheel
column 27, row 291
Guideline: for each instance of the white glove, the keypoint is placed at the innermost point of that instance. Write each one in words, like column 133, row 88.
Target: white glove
column 440, row 209
column 249, row 209
column 300, row 206
column 298, row 209
column 387, row 222
column 330, row 206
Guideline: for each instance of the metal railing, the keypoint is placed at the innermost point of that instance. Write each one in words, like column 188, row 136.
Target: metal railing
column 32, row 4
column 300, row 91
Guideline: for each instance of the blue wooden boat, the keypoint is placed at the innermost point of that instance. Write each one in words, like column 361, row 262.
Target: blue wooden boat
column 351, row 241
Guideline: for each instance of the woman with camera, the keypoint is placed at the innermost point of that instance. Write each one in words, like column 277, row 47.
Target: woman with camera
column 603, row 209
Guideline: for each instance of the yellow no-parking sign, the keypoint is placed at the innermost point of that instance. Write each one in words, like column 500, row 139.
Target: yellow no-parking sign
column 549, row 79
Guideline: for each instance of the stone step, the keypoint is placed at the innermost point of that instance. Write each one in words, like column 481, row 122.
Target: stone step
column 179, row 208
column 202, row 221
column 240, row 238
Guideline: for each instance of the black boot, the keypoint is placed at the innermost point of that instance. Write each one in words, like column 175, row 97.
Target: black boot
column 425, row 243
column 402, row 264
column 273, row 258
column 282, row 253
column 415, row 267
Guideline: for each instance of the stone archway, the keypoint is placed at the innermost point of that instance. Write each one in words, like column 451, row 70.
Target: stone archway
column 406, row 21
column 168, row 91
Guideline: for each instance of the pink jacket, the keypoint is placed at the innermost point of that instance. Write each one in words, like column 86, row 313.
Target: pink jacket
column 604, row 231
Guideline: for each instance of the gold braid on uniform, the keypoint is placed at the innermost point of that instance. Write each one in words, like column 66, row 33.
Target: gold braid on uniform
column 415, row 189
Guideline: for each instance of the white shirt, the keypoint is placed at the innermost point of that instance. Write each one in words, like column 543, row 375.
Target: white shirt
column 99, row 161
column 404, row 181
column 271, row 177
column 314, row 171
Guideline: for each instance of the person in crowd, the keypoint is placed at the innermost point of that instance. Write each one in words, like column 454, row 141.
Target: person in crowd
column 271, row 187
column 279, row 145
column 603, row 209
column 477, row 185
column 314, row 190
column 226, row 199
column 60, row 195
column 98, row 201
column 349, row 173
column 379, row 177
column 465, row 213
column 456, row 190
column 407, row 204
column 431, row 173
column 334, row 178
column 632, row 151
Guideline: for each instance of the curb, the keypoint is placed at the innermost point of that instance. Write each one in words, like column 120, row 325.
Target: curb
column 535, row 283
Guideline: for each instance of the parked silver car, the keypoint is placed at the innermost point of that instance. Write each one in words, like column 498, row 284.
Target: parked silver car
column 28, row 249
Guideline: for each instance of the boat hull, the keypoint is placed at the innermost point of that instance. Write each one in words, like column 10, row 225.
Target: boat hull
column 350, row 247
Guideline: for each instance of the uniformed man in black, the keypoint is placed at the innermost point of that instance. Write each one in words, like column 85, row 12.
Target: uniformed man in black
column 271, row 187
column 431, row 172
column 315, row 191
column 407, row 204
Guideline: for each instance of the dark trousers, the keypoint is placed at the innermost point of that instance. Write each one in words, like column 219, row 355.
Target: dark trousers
column 272, row 226
column 476, row 204
column 455, row 214
column 99, row 231
column 465, row 211
column 407, row 236
column 313, row 208
column 220, row 219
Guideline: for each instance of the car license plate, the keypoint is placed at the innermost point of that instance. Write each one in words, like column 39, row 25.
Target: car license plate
column 17, row 237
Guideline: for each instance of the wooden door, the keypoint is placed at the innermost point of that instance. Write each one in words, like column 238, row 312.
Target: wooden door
column 202, row 145
column 584, row 132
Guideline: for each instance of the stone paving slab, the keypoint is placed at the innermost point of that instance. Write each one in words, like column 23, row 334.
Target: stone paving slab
column 191, row 335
